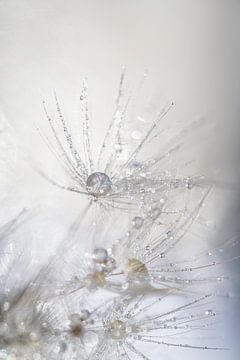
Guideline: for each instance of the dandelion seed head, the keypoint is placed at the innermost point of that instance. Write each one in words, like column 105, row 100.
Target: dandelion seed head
column 76, row 327
column 117, row 330
column 136, row 270
column 125, row 177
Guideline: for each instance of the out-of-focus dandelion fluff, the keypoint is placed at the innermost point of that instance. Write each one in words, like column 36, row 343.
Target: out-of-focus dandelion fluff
column 7, row 157
column 77, row 324
column 123, row 176
column 11, row 225
column 25, row 332
column 9, row 249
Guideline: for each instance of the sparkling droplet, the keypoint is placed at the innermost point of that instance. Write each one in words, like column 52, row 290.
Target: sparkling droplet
column 135, row 165
column 100, row 255
column 189, row 184
column 210, row 313
column 84, row 315
column 99, row 184
column 125, row 286
column 169, row 235
column 128, row 329
column 137, row 222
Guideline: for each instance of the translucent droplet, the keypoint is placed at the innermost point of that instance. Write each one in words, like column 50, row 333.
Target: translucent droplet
column 189, row 184
column 125, row 286
column 136, row 135
column 135, row 164
column 209, row 312
column 169, row 235
column 84, row 315
column 110, row 264
column 128, row 329
column 90, row 339
column 137, row 222
column 99, row 184
column 100, row 255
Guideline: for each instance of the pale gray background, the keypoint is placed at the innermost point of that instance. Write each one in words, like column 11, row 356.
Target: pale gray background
column 191, row 49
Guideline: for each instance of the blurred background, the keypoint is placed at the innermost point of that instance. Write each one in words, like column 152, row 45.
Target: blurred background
column 191, row 50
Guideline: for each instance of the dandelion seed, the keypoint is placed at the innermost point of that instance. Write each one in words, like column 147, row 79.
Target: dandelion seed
column 130, row 324
column 136, row 263
column 128, row 183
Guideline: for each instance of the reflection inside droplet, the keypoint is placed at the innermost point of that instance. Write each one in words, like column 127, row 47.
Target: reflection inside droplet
column 99, row 184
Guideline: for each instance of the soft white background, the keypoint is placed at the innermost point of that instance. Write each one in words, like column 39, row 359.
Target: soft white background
column 191, row 49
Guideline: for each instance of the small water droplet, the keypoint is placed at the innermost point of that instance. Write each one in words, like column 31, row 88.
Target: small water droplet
column 137, row 222
column 154, row 213
column 136, row 135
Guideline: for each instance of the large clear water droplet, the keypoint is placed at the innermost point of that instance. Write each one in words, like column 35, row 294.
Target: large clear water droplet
column 99, row 184
column 100, row 255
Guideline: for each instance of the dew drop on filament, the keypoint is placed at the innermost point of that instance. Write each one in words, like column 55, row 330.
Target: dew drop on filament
column 99, row 184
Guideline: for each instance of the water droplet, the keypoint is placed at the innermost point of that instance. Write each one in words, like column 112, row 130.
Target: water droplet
column 209, row 312
column 169, row 235
column 99, row 184
column 136, row 135
column 140, row 118
column 100, row 255
column 137, row 222
column 135, row 165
